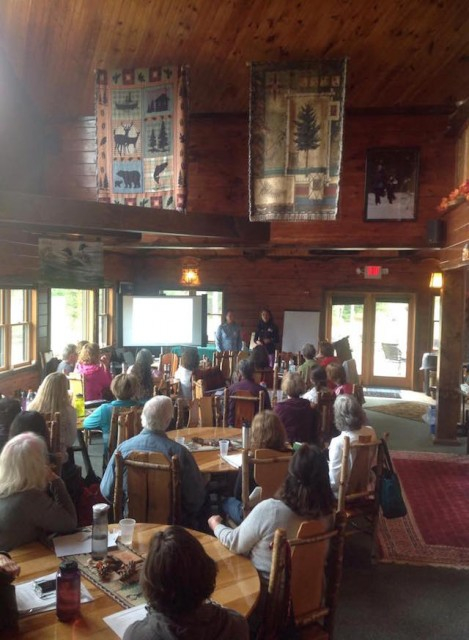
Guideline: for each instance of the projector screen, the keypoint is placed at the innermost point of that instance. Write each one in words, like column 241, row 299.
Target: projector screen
column 163, row 320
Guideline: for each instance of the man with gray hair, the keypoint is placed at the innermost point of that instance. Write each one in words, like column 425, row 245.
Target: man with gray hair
column 156, row 416
column 69, row 359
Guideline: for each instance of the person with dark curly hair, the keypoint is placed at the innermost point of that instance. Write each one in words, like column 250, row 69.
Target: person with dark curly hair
column 145, row 375
column 177, row 579
column 305, row 495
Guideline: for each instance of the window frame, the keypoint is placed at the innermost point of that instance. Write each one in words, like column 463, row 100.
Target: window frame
column 29, row 323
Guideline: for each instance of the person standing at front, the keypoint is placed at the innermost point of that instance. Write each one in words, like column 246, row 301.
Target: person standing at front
column 228, row 334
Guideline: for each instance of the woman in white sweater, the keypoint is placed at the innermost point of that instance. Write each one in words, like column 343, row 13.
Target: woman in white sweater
column 304, row 495
column 350, row 420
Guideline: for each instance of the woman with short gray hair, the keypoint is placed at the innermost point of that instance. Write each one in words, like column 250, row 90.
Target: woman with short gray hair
column 350, row 420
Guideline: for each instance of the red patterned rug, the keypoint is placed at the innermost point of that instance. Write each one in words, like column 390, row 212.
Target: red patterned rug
column 436, row 528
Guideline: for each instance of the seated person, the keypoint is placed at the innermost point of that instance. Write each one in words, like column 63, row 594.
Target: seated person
column 319, row 382
column 52, row 397
column 267, row 432
column 123, row 386
column 350, row 420
column 337, row 379
column 34, row 422
column 145, row 375
column 310, row 363
column 156, row 416
column 189, row 363
column 263, row 371
column 95, row 371
column 9, row 409
column 69, row 359
column 177, row 579
column 305, row 495
column 326, row 353
column 33, row 500
column 298, row 417
column 246, row 383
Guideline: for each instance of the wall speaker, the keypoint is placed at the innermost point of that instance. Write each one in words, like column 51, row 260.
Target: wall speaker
column 126, row 288
column 436, row 233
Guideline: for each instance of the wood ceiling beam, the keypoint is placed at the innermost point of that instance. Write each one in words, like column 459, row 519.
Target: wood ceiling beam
column 76, row 216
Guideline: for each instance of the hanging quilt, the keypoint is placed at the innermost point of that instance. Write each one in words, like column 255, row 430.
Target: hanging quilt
column 295, row 139
column 141, row 136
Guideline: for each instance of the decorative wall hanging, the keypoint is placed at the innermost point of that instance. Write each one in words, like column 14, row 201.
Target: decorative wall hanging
column 73, row 264
column 391, row 183
column 295, row 139
column 141, row 135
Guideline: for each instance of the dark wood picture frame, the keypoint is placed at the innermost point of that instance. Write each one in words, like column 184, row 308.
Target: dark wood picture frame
column 391, row 184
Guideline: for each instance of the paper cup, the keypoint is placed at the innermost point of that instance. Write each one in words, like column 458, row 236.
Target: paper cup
column 180, row 439
column 127, row 526
column 224, row 445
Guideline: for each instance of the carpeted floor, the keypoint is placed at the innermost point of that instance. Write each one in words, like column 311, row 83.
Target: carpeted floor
column 436, row 530
column 406, row 410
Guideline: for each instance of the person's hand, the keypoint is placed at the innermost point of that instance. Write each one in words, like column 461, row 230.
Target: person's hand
column 214, row 521
column 9, row 567
column 50, row 475
column 105, row 360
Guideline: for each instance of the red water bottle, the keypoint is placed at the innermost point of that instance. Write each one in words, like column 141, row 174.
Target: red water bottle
column 68, row 591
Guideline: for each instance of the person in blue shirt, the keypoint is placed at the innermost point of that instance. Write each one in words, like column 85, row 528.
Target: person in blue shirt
column 124, row 388
column 156, row 416
column 228, row 334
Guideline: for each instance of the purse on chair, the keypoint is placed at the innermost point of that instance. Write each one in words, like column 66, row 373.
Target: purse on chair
column 390, row 494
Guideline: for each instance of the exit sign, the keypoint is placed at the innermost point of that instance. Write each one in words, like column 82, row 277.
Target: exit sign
column 373, row 272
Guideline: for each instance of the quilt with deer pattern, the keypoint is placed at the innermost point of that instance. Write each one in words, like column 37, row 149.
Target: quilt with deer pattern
column 141, row 136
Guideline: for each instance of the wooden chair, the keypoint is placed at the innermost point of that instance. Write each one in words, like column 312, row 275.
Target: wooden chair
column 264, row 375
column 119, row 427
column 169, row 362
column 153, row 487
column 325, row 408
column 54, row 441
column 270, row 470
column 359, row 486
column 304, row 581
column 199, row 412
column 226, row 362
column 286, row 356
column 359, row 393
column 246, row 407
column 76, row 384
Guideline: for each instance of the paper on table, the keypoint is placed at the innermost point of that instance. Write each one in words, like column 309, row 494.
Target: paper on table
column 122, row 619
column 29, row 602
column 79, row 542
column 236, row 460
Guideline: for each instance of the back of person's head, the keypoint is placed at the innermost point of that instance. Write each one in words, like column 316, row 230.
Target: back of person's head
column 178, row 575
column 52, row 394
column 23, row 464
column 260, row 357
column 306, row 489
column 157, row 413
column 124, row 386
column 190, row 358
column 69, row 351
column 267, row 431
column 89, row 353
column 144, row 357
column 326, row 348
column 348, row 413
column 293, row 384
column 318, row 377
column 246, row 369
column 9, row 409
column 308, row 351
column 336, row 373
column 29, row 422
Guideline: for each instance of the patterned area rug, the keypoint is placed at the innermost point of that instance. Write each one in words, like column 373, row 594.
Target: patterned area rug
column 406, row 410
column 382, row 393
column 436, row 528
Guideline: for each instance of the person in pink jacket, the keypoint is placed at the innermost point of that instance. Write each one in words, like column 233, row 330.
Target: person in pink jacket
column 94, row 369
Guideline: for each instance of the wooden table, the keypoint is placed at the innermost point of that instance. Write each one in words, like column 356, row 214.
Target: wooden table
column 208, row 461
column 237, row 587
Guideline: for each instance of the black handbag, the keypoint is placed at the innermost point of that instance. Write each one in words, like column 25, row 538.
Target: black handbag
column 390, row 494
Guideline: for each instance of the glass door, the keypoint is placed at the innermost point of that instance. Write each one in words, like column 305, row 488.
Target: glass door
column 380, row 331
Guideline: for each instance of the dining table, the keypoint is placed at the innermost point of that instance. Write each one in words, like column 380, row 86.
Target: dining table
column 210, row 461
column 237, row 587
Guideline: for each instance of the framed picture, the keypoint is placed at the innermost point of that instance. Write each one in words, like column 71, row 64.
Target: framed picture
column 391, row 183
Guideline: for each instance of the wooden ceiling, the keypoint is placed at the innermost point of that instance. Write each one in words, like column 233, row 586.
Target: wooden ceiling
column 401, row 53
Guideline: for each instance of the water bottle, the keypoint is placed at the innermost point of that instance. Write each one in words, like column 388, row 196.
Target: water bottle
column 99, row 532
column 291, row 366
column 246, row 434
column 80, row 405
column 24, row 401
column 68, row 591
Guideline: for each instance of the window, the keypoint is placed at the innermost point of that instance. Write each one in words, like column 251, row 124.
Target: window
column 16, row 328
column 105, row 303
column 214, row 307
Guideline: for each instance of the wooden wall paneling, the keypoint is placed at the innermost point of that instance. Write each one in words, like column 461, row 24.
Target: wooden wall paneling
column 27, row 378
